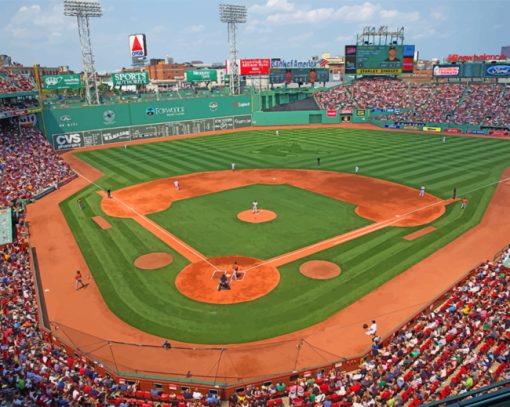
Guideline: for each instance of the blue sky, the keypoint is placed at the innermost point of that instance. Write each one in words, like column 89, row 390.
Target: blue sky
column 36, row 31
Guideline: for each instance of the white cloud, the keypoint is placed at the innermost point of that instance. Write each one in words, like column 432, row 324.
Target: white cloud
column 438, row 16
column 272, row 5
column 197, row 28
column 365, row 12
column 37, row 23
column 395, row 15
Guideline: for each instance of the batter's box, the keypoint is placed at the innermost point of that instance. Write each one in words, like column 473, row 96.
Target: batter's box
column 217, row 275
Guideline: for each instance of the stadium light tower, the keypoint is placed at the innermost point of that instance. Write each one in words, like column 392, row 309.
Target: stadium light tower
column 82, row 10
column 232, row 15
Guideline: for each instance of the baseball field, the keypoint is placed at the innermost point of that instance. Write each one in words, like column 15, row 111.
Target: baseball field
column 314, row 204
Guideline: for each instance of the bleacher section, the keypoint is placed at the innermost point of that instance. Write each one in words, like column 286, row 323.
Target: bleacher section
column 481, row 104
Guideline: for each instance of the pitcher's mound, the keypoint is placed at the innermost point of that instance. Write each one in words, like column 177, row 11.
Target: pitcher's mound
column 320, row 269
column 153, row 261
column 261, row 216
column 199, row 281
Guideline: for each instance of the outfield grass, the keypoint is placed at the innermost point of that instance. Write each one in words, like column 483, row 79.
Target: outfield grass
column 149, row 300
column 209, row 223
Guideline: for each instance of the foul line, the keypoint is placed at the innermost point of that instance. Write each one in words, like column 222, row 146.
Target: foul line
column 155, row 225
column 377, row 226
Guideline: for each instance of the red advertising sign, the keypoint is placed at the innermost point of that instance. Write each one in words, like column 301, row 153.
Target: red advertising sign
column 481, row 57
column 255, row 66
column 452, row 130
column 346, row 111
column 446, row 70
column 498, row 133
column 331, row 113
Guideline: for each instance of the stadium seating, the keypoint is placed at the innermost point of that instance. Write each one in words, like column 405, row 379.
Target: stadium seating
column 11, row 82
column 28, row 165
column 457, row 345
column 485, row 104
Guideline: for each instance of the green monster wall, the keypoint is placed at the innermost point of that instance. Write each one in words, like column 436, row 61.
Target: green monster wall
column 94, row 125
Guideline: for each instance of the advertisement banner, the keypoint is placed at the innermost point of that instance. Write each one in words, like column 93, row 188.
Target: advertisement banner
column 360, row 112
column 331, row 113
column 446, row 70
column 5, row 226
column 29, row 120
column 498, row 133
column 378, row 71
column 202, row 75
column 138, row 45
column 346, row 111
column 435, row 129
column 411, row 128
column 452, row 130
column 498, row 70
column 255, row 66
column 67, row 141
column 475, row 132
column 130, row 78
column 67, row 81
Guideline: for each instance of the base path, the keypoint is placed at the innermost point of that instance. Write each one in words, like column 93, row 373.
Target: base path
column 341, row 334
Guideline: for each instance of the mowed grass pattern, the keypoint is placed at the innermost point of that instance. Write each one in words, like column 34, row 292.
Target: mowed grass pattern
column 149, row 300
column 209, row 223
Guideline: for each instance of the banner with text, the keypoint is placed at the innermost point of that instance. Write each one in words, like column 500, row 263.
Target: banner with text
column 55, row 82
column 202, row 75
column 255, row 66
column 130, row 78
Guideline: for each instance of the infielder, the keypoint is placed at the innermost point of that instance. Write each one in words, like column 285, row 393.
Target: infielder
column 177, row 185
column 233, row 166
column 422, row 191
column 255, row 207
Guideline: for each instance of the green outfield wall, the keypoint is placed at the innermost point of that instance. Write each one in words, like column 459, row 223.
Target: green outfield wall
column 293, row 118
column 68, row 128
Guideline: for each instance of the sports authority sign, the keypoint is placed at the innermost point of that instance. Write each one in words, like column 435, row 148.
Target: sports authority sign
column 138, row 45
column 130, row 78
column 255, row 66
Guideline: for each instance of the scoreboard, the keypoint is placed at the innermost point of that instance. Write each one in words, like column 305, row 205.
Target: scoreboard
column 298, row 75
column 379, row 59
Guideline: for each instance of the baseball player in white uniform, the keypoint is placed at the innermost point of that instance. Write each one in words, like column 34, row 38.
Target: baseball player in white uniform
column 255, row 207
column 177, row 185
column 422, row 191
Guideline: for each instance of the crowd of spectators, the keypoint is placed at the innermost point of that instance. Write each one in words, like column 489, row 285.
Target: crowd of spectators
column 28, row 164
column 11, row 82
column 487, row 105
column 14, row 104
column 455, row 346
column 457, row 103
